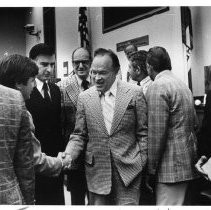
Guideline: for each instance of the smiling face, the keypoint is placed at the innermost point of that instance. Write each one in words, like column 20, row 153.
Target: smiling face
column 103, row 72
column 81, row 63
column 46, row 64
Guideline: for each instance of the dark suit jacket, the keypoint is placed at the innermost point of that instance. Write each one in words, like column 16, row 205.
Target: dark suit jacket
column 127, row 141
column 47, row 121
column 16, row 152
column 205, row 133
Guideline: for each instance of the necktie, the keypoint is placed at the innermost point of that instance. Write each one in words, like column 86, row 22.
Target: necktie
column 45, row 90
column 108, row 109
column 138, row 83
column 85, row 84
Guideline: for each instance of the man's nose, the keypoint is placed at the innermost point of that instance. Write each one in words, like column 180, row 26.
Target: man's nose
column 49, row 68
column 97, row 77
column 80, row 65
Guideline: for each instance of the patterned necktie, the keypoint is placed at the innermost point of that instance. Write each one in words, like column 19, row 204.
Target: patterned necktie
column 46, row 94
column 108, row 109
column 85, row 84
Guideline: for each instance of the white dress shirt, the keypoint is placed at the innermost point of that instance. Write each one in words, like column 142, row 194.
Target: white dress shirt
column 39, row 85
column 107, row 101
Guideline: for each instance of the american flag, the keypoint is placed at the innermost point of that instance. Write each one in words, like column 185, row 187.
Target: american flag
column 187, row 40
column 82, row 27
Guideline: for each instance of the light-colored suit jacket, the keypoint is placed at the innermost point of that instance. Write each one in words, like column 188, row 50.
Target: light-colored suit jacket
column 16, row 152
column 126, row 143
column 172, row 143
column 70, row 98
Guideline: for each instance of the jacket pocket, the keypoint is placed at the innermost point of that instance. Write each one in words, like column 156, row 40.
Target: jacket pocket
column 130, row 106
column 89, row 158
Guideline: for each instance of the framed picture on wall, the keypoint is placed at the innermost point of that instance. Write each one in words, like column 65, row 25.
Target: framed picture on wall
column 207, row 78
column 65, row 68
column 116, row 17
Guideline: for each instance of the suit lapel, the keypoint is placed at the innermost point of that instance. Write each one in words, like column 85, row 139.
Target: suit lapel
column 73, row 90
column 37, row 94
column 51, row 92
column 96, row 110
column 123, row 98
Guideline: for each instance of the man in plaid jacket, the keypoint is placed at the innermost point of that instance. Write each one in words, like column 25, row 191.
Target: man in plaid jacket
column 115, row 141
column 172, row 150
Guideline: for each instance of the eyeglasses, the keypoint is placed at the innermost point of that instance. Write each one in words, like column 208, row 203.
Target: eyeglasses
column 84, row 62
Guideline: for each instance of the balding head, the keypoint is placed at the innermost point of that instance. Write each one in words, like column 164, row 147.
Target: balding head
column 130, row 49
column 81, row 60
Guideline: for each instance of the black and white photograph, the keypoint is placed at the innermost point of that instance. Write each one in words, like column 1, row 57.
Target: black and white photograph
column 106, row 105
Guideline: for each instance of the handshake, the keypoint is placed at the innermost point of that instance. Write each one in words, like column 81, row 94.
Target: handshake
column 66, row 160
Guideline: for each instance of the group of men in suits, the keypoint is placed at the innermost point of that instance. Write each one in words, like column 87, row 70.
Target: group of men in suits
column 23, row 156
column 120, row 129
column 112, row 129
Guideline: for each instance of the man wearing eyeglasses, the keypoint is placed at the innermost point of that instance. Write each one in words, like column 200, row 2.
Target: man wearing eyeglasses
column 111, row 128
column 71, row 87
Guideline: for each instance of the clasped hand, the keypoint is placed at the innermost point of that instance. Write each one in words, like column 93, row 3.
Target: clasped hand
column 66, row 160
column 199, row 164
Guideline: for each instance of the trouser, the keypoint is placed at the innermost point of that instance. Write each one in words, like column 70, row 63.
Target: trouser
column 171, row 194
column 120, row 194
column 49, row 190
column 77, row 186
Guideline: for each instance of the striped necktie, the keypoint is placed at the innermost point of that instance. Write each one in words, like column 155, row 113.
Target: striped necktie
column 108, row 104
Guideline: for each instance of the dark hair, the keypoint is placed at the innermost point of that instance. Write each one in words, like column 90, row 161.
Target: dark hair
column 159, row 59
column 90, row 56
column 111, row 54
column 139, row 59
column 41, row 49
column 16, row 69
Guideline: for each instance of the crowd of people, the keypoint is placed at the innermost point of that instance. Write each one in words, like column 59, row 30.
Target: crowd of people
column 117, row 143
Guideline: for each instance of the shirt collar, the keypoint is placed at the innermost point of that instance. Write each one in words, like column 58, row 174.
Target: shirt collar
column 79, row 80
column 145, row 80
column 39, row 84
column 165, row 72
column 113, row 88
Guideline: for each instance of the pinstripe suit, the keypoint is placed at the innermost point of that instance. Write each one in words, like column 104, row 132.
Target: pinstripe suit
column 16, row 151
column 172, row 149
column 127, row 141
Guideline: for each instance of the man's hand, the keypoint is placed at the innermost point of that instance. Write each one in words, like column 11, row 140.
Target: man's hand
column 66, row 160
column 150, row 182
column 199, row 164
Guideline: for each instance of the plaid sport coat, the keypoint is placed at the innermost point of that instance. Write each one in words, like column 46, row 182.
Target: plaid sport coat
column 127, row 141
column 172, row 143
column 16, row 152
column 70, row 97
